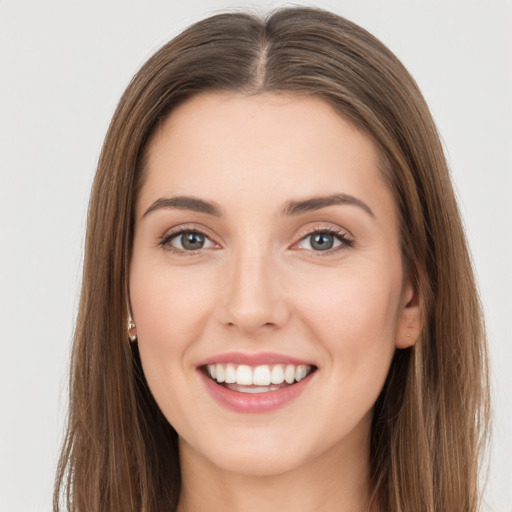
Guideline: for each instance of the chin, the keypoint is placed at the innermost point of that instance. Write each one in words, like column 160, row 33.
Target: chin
column 251, row 451
column 258, row 462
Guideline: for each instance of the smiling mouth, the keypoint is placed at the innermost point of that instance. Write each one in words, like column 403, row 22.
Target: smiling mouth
column 257, row 379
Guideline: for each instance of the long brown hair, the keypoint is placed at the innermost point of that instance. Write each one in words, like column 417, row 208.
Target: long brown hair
column 120, row 454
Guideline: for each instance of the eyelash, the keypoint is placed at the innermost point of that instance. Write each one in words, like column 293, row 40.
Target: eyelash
column 341, row 235
column 166, row 239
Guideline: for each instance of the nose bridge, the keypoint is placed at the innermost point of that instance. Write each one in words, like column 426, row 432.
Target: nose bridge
column 253, row 297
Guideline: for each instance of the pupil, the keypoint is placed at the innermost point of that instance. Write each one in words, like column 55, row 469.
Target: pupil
column 322, row 242
column 192, row 241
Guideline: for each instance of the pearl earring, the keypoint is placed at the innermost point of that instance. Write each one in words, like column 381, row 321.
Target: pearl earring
column 132, row 329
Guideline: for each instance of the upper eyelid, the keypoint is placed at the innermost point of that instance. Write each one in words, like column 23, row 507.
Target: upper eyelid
column 203, row 230
column 340, row 235
column 194, row 228
column 334, row 230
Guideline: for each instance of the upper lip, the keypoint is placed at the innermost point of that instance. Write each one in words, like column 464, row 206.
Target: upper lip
column 255, row 359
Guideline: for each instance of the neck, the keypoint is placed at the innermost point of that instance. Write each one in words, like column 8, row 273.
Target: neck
column 336, row 480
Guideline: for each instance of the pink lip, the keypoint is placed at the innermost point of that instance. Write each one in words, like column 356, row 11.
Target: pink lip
column 254, row 402
column 253, row 359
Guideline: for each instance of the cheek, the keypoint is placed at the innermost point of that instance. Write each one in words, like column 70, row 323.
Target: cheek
column 168, row 310
column 169, row 313
column 353, row 318
column 353, row 314
column 351, row 301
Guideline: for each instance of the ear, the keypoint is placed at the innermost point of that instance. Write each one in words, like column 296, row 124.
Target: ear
column 410, row 317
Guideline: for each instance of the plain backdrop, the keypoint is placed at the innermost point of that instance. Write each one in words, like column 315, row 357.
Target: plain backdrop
column 63, row 67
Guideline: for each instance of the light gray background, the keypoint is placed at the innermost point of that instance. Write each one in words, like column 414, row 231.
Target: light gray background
column 63, row 67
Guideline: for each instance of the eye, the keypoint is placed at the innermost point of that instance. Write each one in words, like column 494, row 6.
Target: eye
column 325, row 240
column 186, row 241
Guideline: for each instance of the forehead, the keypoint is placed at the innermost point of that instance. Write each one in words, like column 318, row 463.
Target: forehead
column 265, row 146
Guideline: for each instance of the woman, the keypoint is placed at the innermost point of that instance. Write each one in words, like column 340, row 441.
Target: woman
column 278, row 309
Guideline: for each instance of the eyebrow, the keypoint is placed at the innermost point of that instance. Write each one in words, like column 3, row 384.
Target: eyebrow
column 290, row 208
column 185, row 203
column 318, row 202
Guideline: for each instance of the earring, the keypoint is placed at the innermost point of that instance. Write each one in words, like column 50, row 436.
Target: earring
column 132, row 329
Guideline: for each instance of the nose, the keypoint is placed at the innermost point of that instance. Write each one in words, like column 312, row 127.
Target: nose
column 253, row 293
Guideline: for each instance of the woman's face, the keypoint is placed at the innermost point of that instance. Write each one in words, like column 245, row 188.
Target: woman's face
column 267, row 250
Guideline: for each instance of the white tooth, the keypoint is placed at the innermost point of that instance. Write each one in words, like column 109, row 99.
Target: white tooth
column 261, row 376
column 277, row 374
column 300, row 372
column 289, row 374
column 244, row 375
column 221, row 374
column 212, row 370
column 230, row 377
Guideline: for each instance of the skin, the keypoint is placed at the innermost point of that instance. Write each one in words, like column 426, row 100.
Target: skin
column 258, row 285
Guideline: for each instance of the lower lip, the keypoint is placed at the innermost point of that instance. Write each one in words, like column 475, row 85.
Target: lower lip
column 254, row 402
